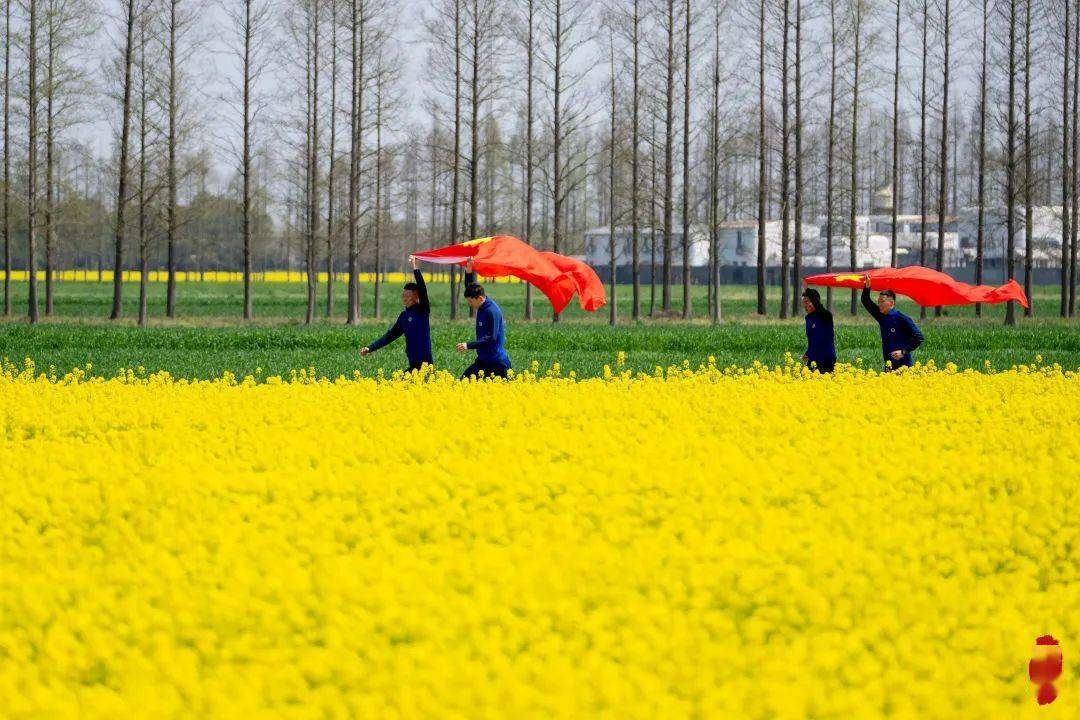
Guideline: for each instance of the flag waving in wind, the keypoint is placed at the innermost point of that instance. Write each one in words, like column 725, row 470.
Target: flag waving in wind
column 557, row 276
column 927, row 287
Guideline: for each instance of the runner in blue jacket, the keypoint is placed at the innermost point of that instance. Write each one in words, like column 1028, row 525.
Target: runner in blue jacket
column 820, row 352
column 490, row 342
column 899, row 333
column 413, row 323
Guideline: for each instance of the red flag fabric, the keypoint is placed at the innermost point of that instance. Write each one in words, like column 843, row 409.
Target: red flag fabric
column 503, row 255
column 927, row 287
column 590, row 290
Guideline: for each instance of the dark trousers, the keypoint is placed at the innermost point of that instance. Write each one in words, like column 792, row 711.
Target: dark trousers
column 417, row 364
column 489, row 369
column 826, row 366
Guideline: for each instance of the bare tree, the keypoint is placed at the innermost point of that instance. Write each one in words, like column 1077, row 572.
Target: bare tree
column 943, row 165
column 1065, row 171
column 31, row 168
column 923, row 101
column 830, row 153
column 357, row 18
column 331, row 175
column 613, row 313
column 857, row 28
column 250, row 23
column 530, row 55
column 980, row 236
column 313, row 162
column 714, row 178
column 796, row 298
column 1029, row 181
column 1010, row 163
column 669, row 124
column 7, row 157
column 687, row 74
column 142, row 191
column 566, row 34
column 762, row 307
column 785, row 168
column 128, row 20
column 895, row 137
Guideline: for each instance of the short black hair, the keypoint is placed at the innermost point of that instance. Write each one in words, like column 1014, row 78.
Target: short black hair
column 474, row 290
column 412, row 286
column 890, row 293
column 812, row 295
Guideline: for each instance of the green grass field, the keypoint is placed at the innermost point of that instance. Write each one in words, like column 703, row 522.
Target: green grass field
column 209, row 337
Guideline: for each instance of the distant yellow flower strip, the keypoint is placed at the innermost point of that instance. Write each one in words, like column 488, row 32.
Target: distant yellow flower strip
column 270, row 276
column 699, row 543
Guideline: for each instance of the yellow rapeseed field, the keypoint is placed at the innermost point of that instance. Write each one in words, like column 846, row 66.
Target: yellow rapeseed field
column 698, row 543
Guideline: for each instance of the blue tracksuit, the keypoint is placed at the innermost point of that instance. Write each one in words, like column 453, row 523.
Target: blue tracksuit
column 820, row 340
column 413, row 323
column 898, row 332
column 490, row 342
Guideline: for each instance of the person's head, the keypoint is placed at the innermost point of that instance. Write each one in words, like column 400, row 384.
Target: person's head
column 475, row 295
column 811, row 300
column 886, row 300
column 410, row 294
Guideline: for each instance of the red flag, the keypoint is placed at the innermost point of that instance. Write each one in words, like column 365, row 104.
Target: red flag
column 503, row 255
column 927, row 287
column 590, row 290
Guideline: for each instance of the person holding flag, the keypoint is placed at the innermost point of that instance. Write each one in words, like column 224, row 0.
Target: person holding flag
column 820, row 352
column 491, row 357
column 413, row 323
column 900, row 336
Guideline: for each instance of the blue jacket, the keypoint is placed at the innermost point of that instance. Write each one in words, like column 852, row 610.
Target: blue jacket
column 413, row 323
column 820, row 340
column 898, row 332
column 490, row 342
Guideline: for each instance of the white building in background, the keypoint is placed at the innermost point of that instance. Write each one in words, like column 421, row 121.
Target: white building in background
column 738, row 244
column 1045, row 235
column 873, row 240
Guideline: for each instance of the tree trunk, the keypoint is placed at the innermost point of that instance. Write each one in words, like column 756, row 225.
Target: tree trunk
column 612, row 301
column 1028, row 179
column 170, row 290
column 50, row 224
column 796, row 298
column 378, row 193
column 923, row 98
column 785, row 172
column 143, row 131
column 830, row 208
column 895, row 139
column 1065, row 172
column 356, row 107
column 943, row 177
column 714, row 189
column 557, row 199
column 31, row 171
column 1010, row 163
column 330, row 177
column 7, row 158
column 457, row 155
column 529, row 56
column 980, row 236
column 855, row 143
column 121, row 193
column 635, row 260
column 669, row 110
column 687, row 309
column 762, row 307
column 313, row 199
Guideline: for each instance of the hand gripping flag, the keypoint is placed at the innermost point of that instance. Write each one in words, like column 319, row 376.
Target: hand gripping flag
column 927, row 287
column 557, row 276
